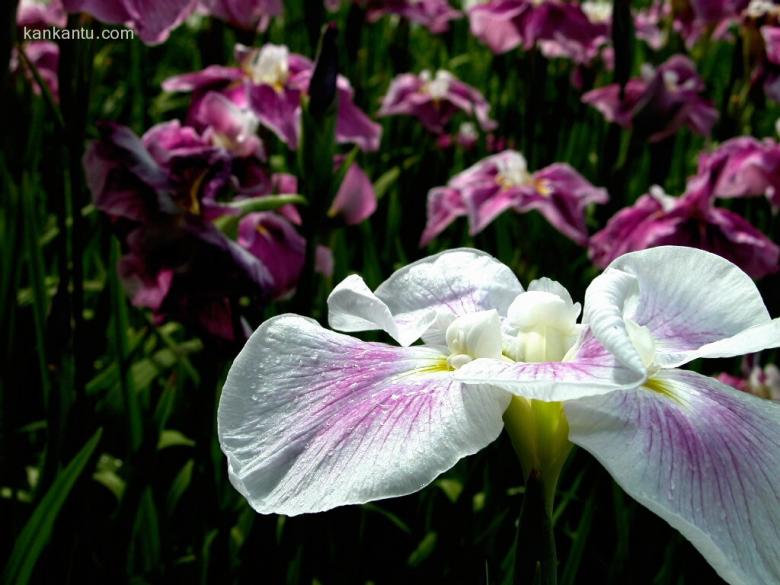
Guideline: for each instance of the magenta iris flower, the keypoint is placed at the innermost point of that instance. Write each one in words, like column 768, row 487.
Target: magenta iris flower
column 163, row 192
column 44, row 55
column 758, row 380
column 435, row 15
column 153, row 20
column 740, row 167
column 659, row 102
column 560, row 29
column 502, row 182
column 311, row 419
column 434, row 98
column 271, row 80
column 695, row 18
column 691, row 220
column 246, row 14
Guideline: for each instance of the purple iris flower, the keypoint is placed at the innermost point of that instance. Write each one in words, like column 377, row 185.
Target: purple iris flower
column 659, row 102
column 435, row 15
column 740, row 167
column 761, row 31
column 153, row 20
column 38, row 15
column 44, row 55
column 434, row 99
column 273, row 239
column 271, row 80
column 162, row 192
column 245, row 14
column 694, row 18
column 560, row 29
column 502, row 182
column 658, row 219
column 763, row 382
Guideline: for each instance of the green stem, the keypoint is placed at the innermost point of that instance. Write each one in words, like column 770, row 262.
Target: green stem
column 535, row 557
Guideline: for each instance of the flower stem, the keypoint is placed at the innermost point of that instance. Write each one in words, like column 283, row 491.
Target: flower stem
column 535, row 558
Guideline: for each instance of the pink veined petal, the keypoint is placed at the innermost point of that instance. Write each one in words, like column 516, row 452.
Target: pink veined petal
column 689, row 299
column 311, row 419
column 423, row 298
column 703, row 456
column 497, row 24
column 280, row 112
column 445, row 204
column 590, row 371
column 213, row 75
column 354, row 126
column 355, row 199
column 154, row 19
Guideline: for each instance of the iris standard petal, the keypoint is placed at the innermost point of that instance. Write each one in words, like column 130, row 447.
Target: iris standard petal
column 687, row 298
column 423, row 298
column 311, row 419
column 588, row 370
column 703, row 456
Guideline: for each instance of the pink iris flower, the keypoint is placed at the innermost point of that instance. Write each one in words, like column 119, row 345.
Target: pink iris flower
column 659, row 102
column 434, row 98
column 503, row 181
column 245, row 14
column 435, row 15
column 740, row 167
column 153, row 20
column 271, row 80
column 559, row 28
column 763, row 382
column 691, row 220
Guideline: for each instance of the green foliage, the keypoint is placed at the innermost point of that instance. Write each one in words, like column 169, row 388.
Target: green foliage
column 109, row 463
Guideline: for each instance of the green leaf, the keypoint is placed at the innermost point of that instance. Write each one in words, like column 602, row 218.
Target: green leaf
column 424, row 550
column 386, row 181
column 572, row 566
column 37, row 531
column 180, row 485
column 451, row 487
column 146, row 541
column 171, row 438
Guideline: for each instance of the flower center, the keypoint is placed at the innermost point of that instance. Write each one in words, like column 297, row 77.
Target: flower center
column 476, row 335
column 513, row 171
column 245, row 127
column 436, row 86
column 760, row 8
column 596, row 11
column 270, row 65
column 541, row 324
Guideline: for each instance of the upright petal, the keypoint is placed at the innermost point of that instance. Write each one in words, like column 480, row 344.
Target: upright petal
column 703, row 456
column 695, row 304
column 310, row 419
column 423, row 298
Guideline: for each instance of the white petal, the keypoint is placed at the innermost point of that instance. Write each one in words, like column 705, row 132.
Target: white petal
column 589, row 370
column 353, row 307
column 475, row 335
column 424, row 297
column 701, row 455
column 311, row 419
column 689, row 299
